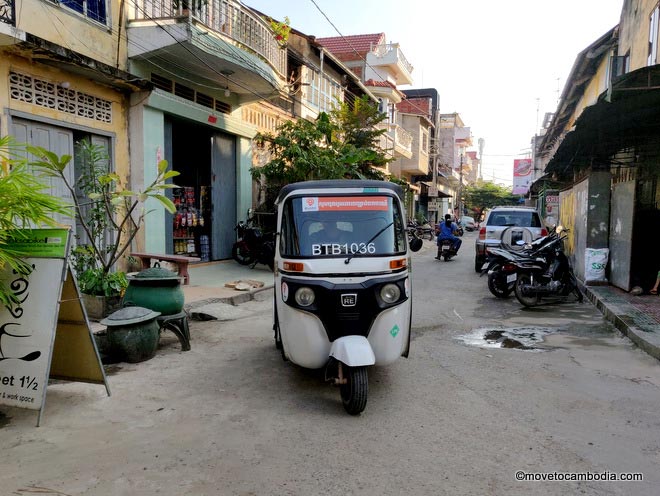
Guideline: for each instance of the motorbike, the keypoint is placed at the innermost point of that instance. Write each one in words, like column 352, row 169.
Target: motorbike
column 500, row 263
column 446, row 250
column 253, row 246
column 423, row 231
column 540, row 274
column 548, row 278
column 343, row 305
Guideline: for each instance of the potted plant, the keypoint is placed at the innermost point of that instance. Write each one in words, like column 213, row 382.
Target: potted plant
column 24, row 203
column 110, row 216
column 281, row 31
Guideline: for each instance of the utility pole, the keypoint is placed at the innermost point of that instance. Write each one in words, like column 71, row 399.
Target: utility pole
column 459, row 200
column 482, row 144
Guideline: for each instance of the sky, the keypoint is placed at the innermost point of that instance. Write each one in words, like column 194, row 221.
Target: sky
column 500, row 64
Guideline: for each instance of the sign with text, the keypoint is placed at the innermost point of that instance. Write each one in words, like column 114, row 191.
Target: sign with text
column 343, row 203
column 30, row 329
column 522, row 176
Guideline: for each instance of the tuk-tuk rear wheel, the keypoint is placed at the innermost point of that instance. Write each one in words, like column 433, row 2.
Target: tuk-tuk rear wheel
column 354, row 392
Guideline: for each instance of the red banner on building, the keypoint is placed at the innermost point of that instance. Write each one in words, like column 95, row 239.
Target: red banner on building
column 522, row 176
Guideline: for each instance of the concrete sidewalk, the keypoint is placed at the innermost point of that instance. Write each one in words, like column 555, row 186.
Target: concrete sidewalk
column 208, row 283
column 638, row 317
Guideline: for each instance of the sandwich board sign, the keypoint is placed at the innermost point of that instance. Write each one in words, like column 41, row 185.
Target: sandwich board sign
column 47, row 334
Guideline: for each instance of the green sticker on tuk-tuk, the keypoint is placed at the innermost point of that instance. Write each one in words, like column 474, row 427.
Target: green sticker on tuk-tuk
column 394, row 331
column 370, row 190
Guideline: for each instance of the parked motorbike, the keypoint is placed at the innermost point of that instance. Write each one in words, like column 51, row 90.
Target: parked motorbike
column 548, row 277
column 500, row 264
column 542, row 274
column 253, row 246
column 422, row 231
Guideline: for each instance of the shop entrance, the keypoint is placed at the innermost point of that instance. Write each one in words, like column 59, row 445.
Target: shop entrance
column 203, row 223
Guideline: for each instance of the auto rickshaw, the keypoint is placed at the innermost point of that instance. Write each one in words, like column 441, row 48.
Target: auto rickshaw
column 343, row 289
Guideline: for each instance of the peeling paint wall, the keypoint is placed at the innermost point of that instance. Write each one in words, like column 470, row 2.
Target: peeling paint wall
column 634, row 31
column 56, row 23
column 31, row 110
column 584, row 211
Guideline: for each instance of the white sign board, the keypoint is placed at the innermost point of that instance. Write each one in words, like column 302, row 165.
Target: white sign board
column 48, row 311
column 433, row 206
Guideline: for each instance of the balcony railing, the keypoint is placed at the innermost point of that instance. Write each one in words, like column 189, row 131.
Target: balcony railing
column 7, row 12
column 223, row 16
column 385, row 49
column 402, row 138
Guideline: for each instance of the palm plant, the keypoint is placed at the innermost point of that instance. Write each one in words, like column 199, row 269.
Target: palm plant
column 24, row 203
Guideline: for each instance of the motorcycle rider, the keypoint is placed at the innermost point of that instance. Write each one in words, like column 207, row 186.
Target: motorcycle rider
column 446, row 230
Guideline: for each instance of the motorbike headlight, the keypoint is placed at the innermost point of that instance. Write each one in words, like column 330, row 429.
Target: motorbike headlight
column 305, row 296
column 390, row 293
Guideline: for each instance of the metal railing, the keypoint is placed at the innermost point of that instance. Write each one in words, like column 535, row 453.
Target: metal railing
column 7, row 12
column 223, row 16
column 384, row 49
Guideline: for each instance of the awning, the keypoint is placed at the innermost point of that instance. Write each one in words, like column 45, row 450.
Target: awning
column 627, row 116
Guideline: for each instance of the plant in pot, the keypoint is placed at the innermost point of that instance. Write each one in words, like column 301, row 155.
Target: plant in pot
column 108, row 216
column 24, row 203
column 281, row 31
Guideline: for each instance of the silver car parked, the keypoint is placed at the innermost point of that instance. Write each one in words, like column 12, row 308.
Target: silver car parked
column 497, row 220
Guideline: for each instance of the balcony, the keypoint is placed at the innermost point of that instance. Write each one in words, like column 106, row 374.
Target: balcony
column 389, row 55
column 417, row 165
column 8, row 34
column 402, row 140
column 218, row 42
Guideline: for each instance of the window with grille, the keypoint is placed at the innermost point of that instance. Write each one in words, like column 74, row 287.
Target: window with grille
column 182, row 91
column 48, row 94
column 323, row 92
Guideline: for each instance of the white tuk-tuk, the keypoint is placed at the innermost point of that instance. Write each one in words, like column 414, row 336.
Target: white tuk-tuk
column 342, row 280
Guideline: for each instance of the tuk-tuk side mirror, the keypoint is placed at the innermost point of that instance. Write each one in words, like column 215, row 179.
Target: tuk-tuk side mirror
column 416, row 244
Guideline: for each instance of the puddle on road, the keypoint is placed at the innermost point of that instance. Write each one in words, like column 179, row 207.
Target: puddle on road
column 520, row 338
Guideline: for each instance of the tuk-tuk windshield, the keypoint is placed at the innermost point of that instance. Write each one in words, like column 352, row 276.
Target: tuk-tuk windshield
column 326, row 226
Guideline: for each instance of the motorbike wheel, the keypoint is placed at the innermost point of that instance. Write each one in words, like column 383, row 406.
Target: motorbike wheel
column 241, row 253
column 354, row 392
column 497, row 284
column 527, row 301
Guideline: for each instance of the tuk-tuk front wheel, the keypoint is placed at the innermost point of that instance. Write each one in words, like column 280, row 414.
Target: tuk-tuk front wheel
column 354, row 391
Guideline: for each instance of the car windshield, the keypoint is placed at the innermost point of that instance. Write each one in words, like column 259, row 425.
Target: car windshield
column 329, row 226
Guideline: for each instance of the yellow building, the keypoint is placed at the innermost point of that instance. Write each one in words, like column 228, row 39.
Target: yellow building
column 63, row 78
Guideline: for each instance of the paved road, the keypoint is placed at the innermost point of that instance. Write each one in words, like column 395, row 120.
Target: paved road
column 230, row 417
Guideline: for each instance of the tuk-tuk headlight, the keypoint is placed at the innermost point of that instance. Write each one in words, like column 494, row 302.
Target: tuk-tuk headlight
column 390, row 293
column 305, row 296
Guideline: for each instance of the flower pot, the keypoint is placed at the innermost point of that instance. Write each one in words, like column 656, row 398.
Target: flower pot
column 99, row 307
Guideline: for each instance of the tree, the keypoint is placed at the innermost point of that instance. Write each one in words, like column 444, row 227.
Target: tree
column 342, row 144
column 485, row 194
column 110, row 214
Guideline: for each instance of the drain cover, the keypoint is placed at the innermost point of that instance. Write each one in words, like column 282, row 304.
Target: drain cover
column 521, row 338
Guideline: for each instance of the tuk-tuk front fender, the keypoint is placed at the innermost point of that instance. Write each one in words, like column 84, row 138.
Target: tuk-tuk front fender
column 354, row 351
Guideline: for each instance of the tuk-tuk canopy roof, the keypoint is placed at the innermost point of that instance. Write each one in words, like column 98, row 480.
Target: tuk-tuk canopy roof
column 339, row 183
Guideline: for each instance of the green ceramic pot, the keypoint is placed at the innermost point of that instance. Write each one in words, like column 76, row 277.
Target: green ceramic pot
column 157, row 289
column 133, row 333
